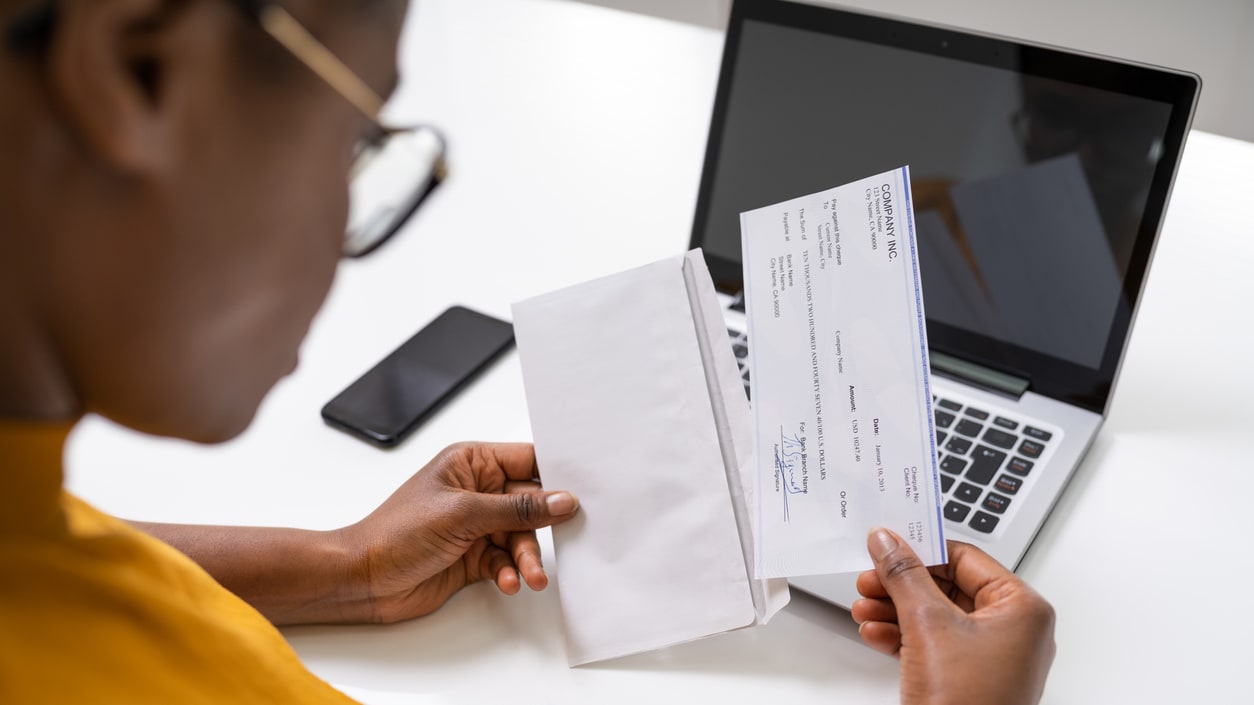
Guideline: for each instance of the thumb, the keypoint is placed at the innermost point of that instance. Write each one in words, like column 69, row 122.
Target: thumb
column 522, row 511
column 903, row 575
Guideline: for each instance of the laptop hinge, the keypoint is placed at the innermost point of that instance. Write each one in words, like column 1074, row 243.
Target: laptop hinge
column 978, row 375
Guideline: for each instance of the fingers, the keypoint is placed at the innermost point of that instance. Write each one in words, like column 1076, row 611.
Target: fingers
column 877, row 624
column 884, row 637
column 495, row 564
column 517, row 461
column 972, row 570
column 524, row 511
column 523, row 547
column 518, row 487
column 526, row 553
column 511, row 468
column 869, row 585
column 495, row 488
column 512, row 561
column 903, row 576
column 873, row 611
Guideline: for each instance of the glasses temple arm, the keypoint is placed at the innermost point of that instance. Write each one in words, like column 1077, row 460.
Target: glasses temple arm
column 286, row 30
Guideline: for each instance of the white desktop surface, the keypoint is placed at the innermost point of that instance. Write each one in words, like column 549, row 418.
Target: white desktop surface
column 577, row 135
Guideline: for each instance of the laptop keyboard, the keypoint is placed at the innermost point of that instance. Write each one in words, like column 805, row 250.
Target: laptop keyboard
column 986, row 457
column 740, row 346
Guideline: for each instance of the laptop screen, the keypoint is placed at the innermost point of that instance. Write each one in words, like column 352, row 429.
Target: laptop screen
column 1039, row 177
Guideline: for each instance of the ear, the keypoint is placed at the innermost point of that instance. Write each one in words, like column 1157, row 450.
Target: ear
column 103, row 73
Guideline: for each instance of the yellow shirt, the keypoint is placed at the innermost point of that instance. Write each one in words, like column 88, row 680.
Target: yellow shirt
column 93, row 611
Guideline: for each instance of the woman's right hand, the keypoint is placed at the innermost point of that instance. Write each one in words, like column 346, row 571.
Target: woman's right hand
column 969, row 631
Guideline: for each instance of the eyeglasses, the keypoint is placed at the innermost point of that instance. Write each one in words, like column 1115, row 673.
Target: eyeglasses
column 393, row 170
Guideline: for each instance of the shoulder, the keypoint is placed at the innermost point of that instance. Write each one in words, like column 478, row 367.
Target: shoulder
column 105, row 613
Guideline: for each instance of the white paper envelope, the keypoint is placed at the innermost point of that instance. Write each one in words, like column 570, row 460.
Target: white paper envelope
column 636, row 406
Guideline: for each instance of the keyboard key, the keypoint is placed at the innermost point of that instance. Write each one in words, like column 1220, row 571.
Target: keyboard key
column 951, row 405
column 967, row 427
column 741, row 350
column 968, row 493
column 952, row 465
column 1031, row 449
column 940, row 438
column 1001, row 439
column 985, row 462
column 946, row 483
column 1037, row 433
column 1008, row 484
column 956, row 512
column 1006, row 423
column 958, row 445
column 1019, row 466
column 943, row 419
column 745, row 376
column 976, row 413
column 996, row 503
column 733, row 333
column 984, row 522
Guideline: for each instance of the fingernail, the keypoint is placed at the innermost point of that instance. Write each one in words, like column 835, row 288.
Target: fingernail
column 561, row 503
column 881, row 543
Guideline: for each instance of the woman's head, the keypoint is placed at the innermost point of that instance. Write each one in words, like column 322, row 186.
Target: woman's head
column 172, row 202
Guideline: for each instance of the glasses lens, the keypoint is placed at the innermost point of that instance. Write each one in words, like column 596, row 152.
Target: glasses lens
column 390, row 178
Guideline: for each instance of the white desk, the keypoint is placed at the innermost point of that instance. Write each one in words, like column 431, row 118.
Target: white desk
column 577, row 136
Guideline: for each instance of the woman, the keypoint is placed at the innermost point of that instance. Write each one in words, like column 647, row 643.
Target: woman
column 172, row 201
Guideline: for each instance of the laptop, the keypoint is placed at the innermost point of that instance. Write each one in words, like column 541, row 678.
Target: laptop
column 1040, row 179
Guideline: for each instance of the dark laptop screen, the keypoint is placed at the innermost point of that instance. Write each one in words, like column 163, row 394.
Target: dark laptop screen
column 1039, row 177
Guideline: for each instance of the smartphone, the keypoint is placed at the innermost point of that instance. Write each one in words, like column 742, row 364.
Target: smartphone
column 392, row 399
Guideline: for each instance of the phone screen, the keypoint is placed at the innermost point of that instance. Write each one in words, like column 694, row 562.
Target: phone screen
column 396, row 395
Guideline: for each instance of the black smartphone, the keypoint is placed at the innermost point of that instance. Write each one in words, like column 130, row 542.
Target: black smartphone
column 387, row 403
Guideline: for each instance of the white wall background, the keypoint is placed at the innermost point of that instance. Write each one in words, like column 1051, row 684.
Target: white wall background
column 1213, row 38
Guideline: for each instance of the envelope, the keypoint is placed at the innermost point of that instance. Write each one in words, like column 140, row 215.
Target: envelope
column 637, row 407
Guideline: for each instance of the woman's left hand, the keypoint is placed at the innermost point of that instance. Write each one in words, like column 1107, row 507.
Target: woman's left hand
column 469, row 515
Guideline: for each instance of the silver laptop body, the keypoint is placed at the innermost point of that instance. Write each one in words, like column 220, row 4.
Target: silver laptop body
column 1040, row 177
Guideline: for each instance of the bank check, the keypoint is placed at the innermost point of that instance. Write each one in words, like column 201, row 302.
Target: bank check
column 840, row 378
